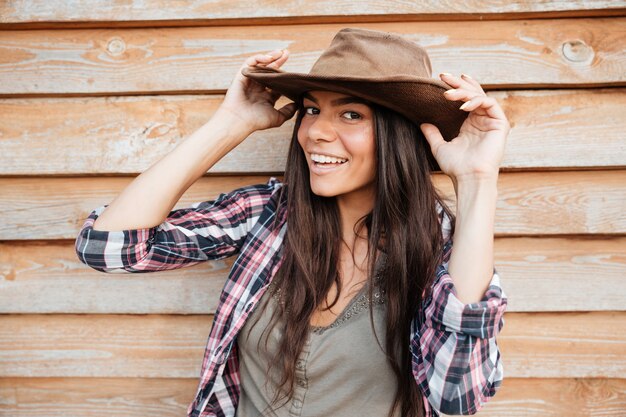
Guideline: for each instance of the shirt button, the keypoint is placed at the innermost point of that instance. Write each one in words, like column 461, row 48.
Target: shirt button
column 216, row 353
column 301, row 382
column 300, row 364
column 297, row 403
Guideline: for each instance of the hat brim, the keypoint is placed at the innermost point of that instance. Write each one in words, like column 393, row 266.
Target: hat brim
column 419, row 99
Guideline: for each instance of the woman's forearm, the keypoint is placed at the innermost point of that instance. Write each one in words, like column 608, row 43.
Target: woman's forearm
column 471, row 260
column 148, row 199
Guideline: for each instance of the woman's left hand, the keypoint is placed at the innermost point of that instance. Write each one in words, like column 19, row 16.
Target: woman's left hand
column 477, row 151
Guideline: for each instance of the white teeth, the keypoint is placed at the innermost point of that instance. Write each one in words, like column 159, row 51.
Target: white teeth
column 326, row 159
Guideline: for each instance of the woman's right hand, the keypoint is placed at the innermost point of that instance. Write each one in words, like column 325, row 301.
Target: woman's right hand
column 251, row 102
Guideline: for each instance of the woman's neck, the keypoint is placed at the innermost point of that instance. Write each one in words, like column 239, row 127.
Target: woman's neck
column 353, row 207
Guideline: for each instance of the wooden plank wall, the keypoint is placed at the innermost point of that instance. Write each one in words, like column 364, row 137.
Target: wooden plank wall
column 92, row 93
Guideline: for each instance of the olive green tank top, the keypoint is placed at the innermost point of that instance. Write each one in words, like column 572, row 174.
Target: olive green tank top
column 341, row 371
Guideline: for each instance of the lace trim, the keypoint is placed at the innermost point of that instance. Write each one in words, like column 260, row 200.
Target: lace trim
column 356, row 305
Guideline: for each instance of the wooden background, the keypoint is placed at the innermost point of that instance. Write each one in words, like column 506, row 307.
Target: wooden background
column 92, row 93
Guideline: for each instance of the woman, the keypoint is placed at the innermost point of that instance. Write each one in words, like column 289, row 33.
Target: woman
column 367, row 230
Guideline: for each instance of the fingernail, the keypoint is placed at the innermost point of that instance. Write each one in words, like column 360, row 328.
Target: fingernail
column 276, row 53
column 464, row 105
column 466, row 76
column 452, row 90
column 447, row 74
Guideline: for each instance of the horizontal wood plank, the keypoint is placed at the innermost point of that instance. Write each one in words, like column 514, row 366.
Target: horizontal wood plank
column 96, row 397
column 533, row 345
column 581, row 273
column 45, row 278
column 529, row 203
column 125, row 135
column 537, row 274
column 503, row 54
column 146, row 397
column 214, row 12
column 24, row 200
column 564, row 128
column 557, row 397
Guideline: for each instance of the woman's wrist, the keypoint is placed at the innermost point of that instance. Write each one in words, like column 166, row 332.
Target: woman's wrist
column 236, row 127
column 476, row 195
column 474, row 183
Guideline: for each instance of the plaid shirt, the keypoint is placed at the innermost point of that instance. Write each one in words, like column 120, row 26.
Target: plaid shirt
column 456, row 360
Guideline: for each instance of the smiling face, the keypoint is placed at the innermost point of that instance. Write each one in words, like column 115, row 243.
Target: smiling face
column 337, row 137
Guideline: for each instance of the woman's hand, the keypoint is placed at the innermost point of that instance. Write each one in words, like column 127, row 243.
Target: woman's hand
column 476, row 153
column 251, row 102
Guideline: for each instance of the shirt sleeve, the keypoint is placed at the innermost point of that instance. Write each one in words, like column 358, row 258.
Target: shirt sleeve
column 206, row 230
column 456, row 359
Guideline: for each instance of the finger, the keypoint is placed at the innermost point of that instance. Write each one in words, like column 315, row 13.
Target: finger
column 433, row 136
column 472, row 82
column 286, row 112
column 274, row 95
column 280, row 61
column 263, row 59
column 461, row 94
column 488, row 104
column 459, row 82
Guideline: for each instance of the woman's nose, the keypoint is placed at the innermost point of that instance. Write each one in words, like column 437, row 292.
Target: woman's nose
column 321, row 129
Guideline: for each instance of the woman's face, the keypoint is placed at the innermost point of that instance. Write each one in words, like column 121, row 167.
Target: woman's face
column 337, row 137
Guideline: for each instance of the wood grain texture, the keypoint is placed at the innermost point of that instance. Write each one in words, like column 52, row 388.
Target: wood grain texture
column 46, row 278
column 556, row 344
column 117, row 135
column 564, row 128
column 96, row 397
column 537, row 274
column 533, row 345
column 24, row 200
column 157, row 12
column 76, row 342
column 166, row 397
column 125, row 135
column 529, row 203
column 557, row 397
column 506, row 54
column 582, row 273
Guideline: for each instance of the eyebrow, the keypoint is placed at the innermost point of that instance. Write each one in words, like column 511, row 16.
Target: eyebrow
column 340, row 101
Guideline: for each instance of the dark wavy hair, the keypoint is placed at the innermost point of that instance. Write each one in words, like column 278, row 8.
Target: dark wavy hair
column 404, row 224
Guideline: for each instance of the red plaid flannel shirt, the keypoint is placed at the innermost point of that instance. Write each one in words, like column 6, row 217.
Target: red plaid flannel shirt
column 456, row 360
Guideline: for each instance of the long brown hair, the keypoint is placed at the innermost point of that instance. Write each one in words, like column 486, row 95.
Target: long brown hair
column 403, row 224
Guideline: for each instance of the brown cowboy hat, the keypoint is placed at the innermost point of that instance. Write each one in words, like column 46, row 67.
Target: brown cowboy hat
column 381, row 67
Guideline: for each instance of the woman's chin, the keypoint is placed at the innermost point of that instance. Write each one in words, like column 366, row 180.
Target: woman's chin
column 324, row 189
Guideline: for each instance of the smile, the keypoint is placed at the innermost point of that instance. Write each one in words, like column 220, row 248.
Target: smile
column 325, row 164
column 325, row 159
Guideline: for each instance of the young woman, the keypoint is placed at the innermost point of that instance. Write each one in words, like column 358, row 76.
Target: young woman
column 347, row 297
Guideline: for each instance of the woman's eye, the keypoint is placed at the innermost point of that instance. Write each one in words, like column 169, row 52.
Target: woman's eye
column 353, row 115
column 310, row 110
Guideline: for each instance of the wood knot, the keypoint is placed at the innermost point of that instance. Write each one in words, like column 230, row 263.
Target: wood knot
column 577, row 51
column 116, row 46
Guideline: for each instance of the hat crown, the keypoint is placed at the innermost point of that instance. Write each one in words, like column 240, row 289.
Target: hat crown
column 357, row 52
